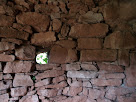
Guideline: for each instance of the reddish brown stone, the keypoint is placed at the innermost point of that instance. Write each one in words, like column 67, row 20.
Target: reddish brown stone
column 132, row 58
column 1, row 76
column 4, row 98
column 7, row 77
column 73, row 66
column 123, row 57
column 7, row 58
column 38, row 21
column 12, row 40
column 110, row 68
column 43, row 39
column 60, row 85
column 42, row 82
column 98, row 94
column 49, row 73
column 46, row 66
column 91, row 17
column 69, row 44
column 56, row 25
column 76, row 99
column 87, row 84
column 98, row 55
column 6, row 20
column 73, row 91
column 5, row 46
column 20, row 91
column 126, row 99
column 112, row 92
column 18, row 67
column 76, row 6
column 46, row 9
column 47, row 92
column 20, row 27
column 86, row 30
column 119, row 40
column 81, row 74
column 30, row 98
column 115, row 76
column 58, row 79
column 89, row 43
column 120, row 12
column 87, row 66
column 12, row 33
column 55, row 54
column 22, row 80
column 72, row 56
column 130, row 76
column 25, row 52
column 74, row 83
column 109, row 82
column 64, row 30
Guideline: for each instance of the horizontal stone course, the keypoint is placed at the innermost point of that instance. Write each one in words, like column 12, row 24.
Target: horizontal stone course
column 98, row 55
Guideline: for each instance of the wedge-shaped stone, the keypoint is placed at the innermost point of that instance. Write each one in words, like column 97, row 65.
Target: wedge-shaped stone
column 12, row 33
column 7, row 58
column 22, row 80
column 49, row 73
column 18, row 67
column 81, row 74
column 98, row 55
column 38, row 21
column 86, row 30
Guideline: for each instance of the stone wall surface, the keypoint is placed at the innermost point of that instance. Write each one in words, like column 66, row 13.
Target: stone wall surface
column 91, row 44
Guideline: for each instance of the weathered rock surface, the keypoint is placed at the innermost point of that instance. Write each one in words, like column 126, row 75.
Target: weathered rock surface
column 66, row 55
column 7, row 58
column 22, row 80
column 86, row 30
column 98, row 55
column 6, row 20
column 26, row 52
column 118, row 40
column 43, row 39
column 130, row 76
column 91, row 17
column 12, row 33
column 47, row 92
column 38, row 21
column 49, row 73
column 93, row 43
column 5, row 46
column 20, row 91
column 81, row 74
column 18, row 67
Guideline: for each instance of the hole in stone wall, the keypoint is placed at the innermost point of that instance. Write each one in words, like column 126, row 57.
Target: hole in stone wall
column 42, row 58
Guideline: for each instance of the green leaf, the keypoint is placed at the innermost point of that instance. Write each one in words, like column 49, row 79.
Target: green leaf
column 41, row 56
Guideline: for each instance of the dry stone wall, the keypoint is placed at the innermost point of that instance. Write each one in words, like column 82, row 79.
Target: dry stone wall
column 91, row 45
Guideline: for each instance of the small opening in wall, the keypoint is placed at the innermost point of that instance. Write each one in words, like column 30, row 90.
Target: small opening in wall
column 42, row 58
